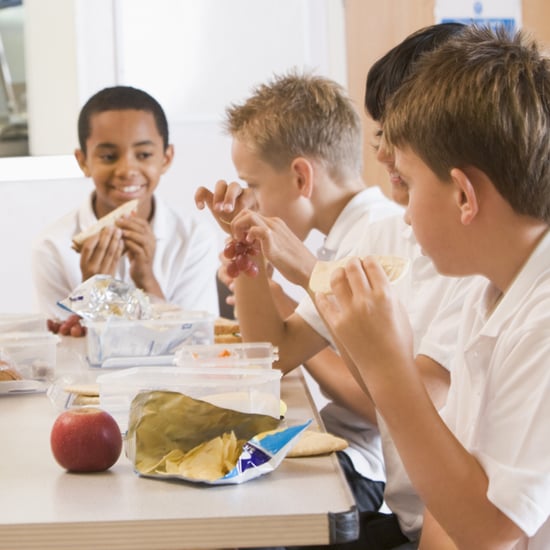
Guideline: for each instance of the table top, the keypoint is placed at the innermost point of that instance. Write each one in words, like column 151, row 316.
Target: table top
column 304, row 501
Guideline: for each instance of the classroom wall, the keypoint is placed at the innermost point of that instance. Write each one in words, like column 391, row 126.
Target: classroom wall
column 372, row 28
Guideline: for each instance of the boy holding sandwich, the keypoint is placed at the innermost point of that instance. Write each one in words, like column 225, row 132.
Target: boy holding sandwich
column 125, row 149
column 474, row 154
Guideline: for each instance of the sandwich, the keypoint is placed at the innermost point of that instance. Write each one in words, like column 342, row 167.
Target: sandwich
column 226, row 331
column 394, row 266
column 106, row 221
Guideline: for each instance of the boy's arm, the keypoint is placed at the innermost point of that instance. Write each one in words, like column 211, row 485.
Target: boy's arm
column 433, row 537
column 373, row 327
column 260, row 321
column 328, row 368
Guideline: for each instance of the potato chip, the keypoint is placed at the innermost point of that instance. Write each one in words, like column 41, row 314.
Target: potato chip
column 207, row 461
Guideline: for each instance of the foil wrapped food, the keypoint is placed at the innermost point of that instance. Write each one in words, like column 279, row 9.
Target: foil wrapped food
column 102, row 297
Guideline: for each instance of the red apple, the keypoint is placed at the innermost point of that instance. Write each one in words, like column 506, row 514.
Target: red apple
column 86, row 440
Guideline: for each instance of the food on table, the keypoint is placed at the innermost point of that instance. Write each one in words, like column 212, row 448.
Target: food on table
column 8, row 373
column 83, row 394
column 226, row 331
column 208, row 461
column 313, row 443
column 394, row 266
column 69, row 327
column 85, row 440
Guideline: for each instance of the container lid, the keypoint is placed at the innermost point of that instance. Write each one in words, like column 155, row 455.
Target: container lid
column 26, row 336
column 164, row 377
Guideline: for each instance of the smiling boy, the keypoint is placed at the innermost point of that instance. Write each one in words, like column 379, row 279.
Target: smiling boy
column 473, row 151
column 125, row 149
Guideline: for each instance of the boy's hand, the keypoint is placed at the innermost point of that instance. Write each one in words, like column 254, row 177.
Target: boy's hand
column 225, row 202
column 101, row 253
column 140, row 245
column 367, row 318
column 278, row 244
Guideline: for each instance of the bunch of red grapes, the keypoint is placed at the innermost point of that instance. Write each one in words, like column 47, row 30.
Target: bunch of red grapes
column 69, row 327
column 238, row 253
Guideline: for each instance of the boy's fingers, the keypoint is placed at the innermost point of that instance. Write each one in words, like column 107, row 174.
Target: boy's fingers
column 203, row 197
column 218, row 198
column 374, row 272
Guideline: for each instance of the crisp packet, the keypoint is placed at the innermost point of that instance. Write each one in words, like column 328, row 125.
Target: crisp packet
column 173, row 436
column 101, row 297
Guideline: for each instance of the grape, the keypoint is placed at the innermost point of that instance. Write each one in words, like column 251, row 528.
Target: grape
column 242, row 262
column 239, row 253
column 229, row 250
column 232, row 270
column 252, row 270
column 241, row 248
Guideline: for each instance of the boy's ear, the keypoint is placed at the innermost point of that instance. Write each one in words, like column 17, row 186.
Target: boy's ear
column 302, row 170
column 467, row 199
column 80, row 157
column 168, row 158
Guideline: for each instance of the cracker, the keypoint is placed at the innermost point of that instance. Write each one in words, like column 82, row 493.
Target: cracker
column 89, row 390
column 312, row 443
column 394, row 266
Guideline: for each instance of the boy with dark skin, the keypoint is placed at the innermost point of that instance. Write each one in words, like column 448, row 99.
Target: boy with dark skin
column 125, row 149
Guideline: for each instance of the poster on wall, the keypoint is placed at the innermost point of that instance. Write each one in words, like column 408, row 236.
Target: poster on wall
column 492, row 13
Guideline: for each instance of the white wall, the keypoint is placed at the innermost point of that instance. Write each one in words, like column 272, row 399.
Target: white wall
column 194, row 67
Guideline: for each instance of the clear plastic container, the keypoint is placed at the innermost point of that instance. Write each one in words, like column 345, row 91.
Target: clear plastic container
column 117, row 339
column 34, row 354
column 22, row 322
column 244, row 390
column 239, row 355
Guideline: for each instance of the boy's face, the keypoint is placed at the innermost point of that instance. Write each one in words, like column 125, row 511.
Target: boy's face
column 124, row 157
column 277, row 192
column 384, row 155
column 433, row 212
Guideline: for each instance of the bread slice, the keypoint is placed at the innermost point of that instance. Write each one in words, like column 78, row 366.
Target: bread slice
column 226, row 331
column 394, row 266
column 106, row 221
column 8, row 374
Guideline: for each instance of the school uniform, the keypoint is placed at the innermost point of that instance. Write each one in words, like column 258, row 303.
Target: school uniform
column 423, row 291
column 185, row 262
column 499, row 400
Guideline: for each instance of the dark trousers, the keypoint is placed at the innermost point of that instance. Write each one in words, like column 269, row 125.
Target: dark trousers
column 376, row 531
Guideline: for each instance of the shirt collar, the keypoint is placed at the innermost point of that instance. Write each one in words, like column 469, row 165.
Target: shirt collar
column 508, row 303
column 348, row 217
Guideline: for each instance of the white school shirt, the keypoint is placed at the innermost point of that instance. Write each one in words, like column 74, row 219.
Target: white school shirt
column 420, row 290
column 499, row 400
column 185, row 260
column 439, row 344
column 367, row 207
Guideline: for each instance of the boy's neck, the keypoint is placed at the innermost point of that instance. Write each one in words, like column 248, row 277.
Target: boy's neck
column 332, row 201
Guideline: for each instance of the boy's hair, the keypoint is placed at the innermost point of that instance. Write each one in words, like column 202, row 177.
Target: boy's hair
column 390, row 71
column 120, row 98
column 300, row 115
column 481, row 99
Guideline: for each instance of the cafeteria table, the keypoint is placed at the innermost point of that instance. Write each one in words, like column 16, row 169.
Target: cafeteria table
column 42, row 507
